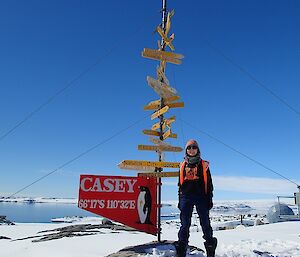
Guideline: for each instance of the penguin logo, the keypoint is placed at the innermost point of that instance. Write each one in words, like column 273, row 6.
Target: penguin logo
column 144, row 203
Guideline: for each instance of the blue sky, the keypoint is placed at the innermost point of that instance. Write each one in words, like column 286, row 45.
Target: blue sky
column 46, row 44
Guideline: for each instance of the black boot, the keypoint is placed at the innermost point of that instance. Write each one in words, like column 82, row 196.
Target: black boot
column 210, row 247
column 180, row 249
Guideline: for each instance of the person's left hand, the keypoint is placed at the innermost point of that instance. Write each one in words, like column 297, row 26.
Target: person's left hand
column 210, row 203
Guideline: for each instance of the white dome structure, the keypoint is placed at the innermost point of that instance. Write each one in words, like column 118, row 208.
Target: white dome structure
column 277, row 210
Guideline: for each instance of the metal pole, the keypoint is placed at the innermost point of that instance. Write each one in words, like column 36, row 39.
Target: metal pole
column 298, row 201
column 162, row 104
column 164, row 21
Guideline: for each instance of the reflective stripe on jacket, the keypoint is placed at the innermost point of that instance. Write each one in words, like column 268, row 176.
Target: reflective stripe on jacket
column 183, row 175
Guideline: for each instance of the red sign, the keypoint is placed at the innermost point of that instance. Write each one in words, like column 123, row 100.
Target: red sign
column 128, row 200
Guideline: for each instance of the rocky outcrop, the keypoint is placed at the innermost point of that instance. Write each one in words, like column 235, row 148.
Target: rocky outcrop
column 141, row 250
column 76, row 230
column 4, row 237
column 5, row 221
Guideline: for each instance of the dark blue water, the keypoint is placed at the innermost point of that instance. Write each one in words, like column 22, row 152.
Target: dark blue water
column 44, row 212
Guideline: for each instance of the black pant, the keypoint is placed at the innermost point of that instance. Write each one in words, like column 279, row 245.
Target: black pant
column 187, row 203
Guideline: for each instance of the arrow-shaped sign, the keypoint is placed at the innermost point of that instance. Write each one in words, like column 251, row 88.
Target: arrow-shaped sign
column 159, row 112
column 162, row 56
column 162, row 89
column 167, row 40
column 156, row 133
column 153, row 105
column 166, row 122
column 161, row 148
column 149, row 107
column 160, row 174
column 150, row 164
column 136, row 167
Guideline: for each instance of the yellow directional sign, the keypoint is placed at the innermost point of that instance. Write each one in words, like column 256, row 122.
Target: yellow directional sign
column 150, row 164
column 156, row 133
column 167, row 40
column 161, row 148
column 149, row 147
column 162, row 89
column 168, row 100
column 155, row 102
column 170, row 120
column 172, row 99
column 155, row 126
column 168, row 24
column 153, row 105
column 159, row 112
column 173, row 135
column 166, row 134
column 160, row 174
column 136, row 167
column 166, row 123
column 162, row 56
column 176, row 105
column 151, row 132
column 150, row 107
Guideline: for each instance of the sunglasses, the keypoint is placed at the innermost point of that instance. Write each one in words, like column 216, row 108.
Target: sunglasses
column 192, row 147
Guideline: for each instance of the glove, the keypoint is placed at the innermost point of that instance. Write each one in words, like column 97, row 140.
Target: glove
column 210, row 203
column 179, row 196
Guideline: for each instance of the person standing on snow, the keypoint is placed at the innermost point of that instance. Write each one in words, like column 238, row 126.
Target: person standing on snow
column 195, row 189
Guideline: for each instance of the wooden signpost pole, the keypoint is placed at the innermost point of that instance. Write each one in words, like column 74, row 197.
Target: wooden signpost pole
column 162, row 105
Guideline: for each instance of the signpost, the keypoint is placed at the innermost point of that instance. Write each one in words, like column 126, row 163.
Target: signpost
column 136, row 201
column 168, row 99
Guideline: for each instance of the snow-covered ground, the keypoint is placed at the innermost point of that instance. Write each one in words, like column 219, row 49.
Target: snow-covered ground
column 235, row 240
column 280, row 239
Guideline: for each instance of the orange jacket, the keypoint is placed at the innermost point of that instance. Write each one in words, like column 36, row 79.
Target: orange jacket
column 191, row 175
